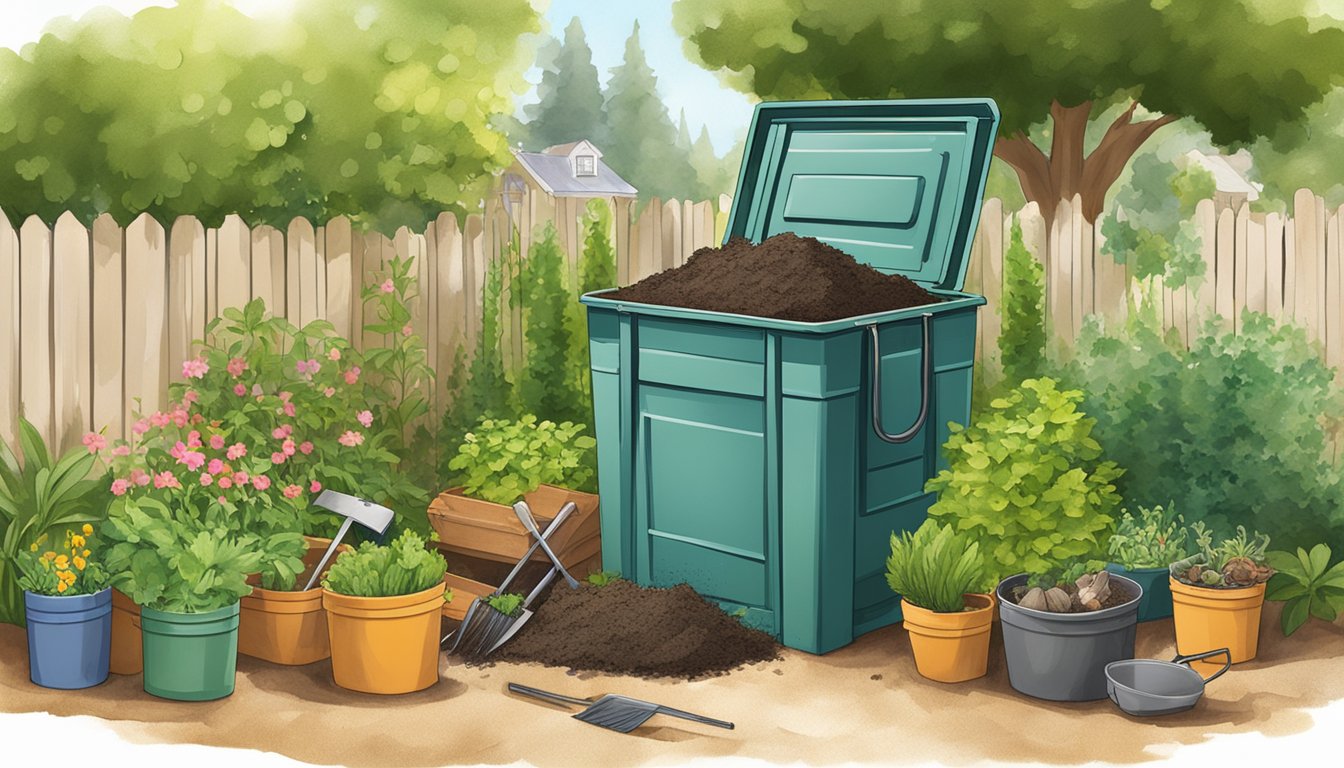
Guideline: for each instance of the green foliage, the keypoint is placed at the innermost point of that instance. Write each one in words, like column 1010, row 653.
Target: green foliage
column 1027, row 481
column 379, row 110
column 1307, row 585
column 1237, row 561
column 550, row 383
column 72, row 570
column 502, row 461
column 508, row 604
column 1154, row 539
column 1306, row 154
column 1235, row 430
column 1153, row 230
column 569, row 99
column 603, row 578
column 935, row 566
column 1022, row 341
column 38, row 496
column 402, row 567
column 597, row 263
column 183, row 557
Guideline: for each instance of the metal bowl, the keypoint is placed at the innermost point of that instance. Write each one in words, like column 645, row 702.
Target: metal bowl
column 1146, row 687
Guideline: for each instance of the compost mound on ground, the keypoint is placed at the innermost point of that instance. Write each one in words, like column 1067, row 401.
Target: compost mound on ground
column 628, row 629
column 785, row 277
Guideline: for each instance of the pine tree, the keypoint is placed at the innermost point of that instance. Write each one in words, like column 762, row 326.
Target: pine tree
column 570, row 104
column 548, row 384
column 709, row 169
column 641, row 143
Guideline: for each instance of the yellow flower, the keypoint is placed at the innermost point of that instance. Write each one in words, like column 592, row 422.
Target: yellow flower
column 76, row 541
column 61, row 587
column 85, row 553
column 33, row 548
column 49, row 555
column 61, row 561
column 66, row 576
column 80, row 562
column 88, row 529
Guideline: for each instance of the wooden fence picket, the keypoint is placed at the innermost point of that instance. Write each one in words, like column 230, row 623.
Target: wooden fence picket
column 35, row 393
column 9, row 330
column 71, row 300
column 109, row 304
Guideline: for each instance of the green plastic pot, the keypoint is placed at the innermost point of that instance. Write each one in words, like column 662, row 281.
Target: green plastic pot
column 190, row 656
column 1156, row 601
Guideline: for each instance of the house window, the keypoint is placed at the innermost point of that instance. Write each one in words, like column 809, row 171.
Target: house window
column 585, row 165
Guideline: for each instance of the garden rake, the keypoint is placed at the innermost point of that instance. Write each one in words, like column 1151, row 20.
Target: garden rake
column 616, row 713
column 483, row 628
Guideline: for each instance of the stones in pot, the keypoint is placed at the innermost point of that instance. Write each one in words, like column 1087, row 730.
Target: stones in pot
column 1088, row 593
column 1093, row 589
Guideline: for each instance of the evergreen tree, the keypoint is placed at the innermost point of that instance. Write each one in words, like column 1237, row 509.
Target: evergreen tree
column 711, row 172
column 569, row 105
column 641, row 143
column 548, row 384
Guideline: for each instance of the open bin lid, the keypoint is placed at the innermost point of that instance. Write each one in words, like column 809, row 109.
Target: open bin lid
column 895, row 184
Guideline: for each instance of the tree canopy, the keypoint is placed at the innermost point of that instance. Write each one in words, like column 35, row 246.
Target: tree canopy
column 1232, row 66
column 569, row 98
column 375, row 109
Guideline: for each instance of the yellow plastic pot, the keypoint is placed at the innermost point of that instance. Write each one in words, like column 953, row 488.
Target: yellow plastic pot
column 384, row 644
column 127, row 656
column 288, row 627
column 951, row 647
column 1208, row 619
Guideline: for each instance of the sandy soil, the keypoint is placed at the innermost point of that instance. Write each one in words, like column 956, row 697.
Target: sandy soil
column 864, row 703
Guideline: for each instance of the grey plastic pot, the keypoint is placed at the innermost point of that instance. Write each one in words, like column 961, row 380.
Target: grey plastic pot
column 1063, row 656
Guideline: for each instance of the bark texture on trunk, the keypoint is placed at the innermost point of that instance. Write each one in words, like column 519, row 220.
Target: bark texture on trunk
column 1066, row 171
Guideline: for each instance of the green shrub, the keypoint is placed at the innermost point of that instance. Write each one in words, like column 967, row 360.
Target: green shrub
column 501, row 461
column 1022, row 341
column 1154, row 539
column 549, row 384
column 1027, row 481
column 1236, row 429
column 1307, row 585
column 402, row 567
column 934, row 567
column 603, row 578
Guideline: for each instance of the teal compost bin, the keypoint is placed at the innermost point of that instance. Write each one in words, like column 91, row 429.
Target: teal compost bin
column 767, row 462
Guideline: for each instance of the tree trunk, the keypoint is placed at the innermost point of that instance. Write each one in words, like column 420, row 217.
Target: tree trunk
column 1066, row 172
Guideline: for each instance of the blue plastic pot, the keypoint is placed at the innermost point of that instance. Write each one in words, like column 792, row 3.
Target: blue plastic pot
column 1156, row 601
column 69, row 639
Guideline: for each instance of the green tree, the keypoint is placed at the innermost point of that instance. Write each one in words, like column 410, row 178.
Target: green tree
column 375, row 109
column 569, row 98
column 1022, row 340
column 1151, row 56
column 641, row 142
column 547, row 386
column 1308, row 154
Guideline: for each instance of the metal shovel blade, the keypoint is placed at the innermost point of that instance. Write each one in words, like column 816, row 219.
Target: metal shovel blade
column 624, row 714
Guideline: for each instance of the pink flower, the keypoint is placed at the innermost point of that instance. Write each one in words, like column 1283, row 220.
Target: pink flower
column 215, row 467
column 119, row 487
column 160, row 419
column 334, row 354
column 288, row 410
column 240, row 478
column 329, row 391
column 140, row 477
column 352, row 375
column 226, row 483
column 314, row 487
column 406, row 330
column 236, row 367
column 166, row 480
column 308, row 367
column 364, row 417
column 197, row 418
column 292, row 491
column 194, row 439
column 222, row 500
column 306, row 447
column 206, row 479
column 236, row 451
column 278, row 433
column 287, row 447
column 122, row 450
column 261, row 482
column 94, row 442
column 387, row 286
column 178, row 451
column 239, row 390
column 216, row 442
column 190, row 397
column 278, row 458
column 140, row 427
column 179, row 418
column 351, row 438
column 256, row 390
column 195, row 368
column 193, row 460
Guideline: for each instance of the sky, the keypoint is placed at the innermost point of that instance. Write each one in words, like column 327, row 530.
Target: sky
column 607, row 24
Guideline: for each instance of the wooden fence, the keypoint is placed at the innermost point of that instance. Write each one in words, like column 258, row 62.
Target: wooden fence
column 94, row 320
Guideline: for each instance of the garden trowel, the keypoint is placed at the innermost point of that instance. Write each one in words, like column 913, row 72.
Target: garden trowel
column 375, row 517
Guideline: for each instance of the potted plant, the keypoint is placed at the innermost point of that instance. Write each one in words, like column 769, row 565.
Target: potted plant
column 1307, row 585
column 1142, row 548
column 383, row 610
column 1027, row 482
column 69, row 612
column 502, row 461
column 1217, row 593
column 939, row 573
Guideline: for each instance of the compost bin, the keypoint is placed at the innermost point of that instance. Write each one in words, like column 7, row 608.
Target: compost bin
column 766, row 462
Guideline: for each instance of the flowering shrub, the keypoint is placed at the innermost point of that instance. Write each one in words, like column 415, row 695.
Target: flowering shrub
column 501, row 461
column 71, row 571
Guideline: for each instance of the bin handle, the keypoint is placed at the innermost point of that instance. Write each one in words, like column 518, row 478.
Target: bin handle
column 926, row 383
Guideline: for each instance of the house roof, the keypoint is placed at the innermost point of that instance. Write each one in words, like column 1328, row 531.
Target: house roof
column 1225, row 177
column 568, row 149
column 553, row 171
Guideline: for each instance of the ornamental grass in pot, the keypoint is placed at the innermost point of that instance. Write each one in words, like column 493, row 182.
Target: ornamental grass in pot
column 939, row 575
column 1142, row 548
column 383, row 611
column 1217, row 593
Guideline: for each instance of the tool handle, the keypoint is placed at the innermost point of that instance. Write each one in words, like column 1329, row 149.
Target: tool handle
column 336, row 542
column 1198, row 656
column 524, row 514
column 554, row 698
column 692, row 716
column 536, row 544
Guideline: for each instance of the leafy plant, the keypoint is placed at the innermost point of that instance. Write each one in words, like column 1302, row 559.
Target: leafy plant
column 72, row 571
column 508, row 604
column 603, row 578
column 934, row 567
column 550, row 384
column 502, row 461
column 1026, row 480
column 1154, row 539
column 40, row 495
column 1307, row 585
column 402, row 567
column 1238, row 561
column 179, row 557
column 1022, row 341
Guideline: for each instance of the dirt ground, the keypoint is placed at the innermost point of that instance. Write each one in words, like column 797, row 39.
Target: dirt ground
column 852, row 705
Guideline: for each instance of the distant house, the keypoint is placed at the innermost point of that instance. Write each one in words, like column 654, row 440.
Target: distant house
column 1232, row 188
column 557, row 183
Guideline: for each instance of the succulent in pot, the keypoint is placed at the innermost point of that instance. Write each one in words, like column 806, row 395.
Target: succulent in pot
column 1218, row 592
column 1144, row 544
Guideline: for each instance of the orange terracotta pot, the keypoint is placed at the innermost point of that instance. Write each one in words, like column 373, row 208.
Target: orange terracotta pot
column 288, row 627
column 384, row 644
column 1207, row 619
column 127, row 654
column 491, row 531
column 951, row 647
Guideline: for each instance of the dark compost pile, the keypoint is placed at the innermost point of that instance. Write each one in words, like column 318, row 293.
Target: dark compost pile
column 785, row 277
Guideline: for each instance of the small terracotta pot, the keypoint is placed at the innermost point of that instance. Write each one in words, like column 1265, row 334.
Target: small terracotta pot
column 288, row 627
column 491, row 531
column 384, row 644
column 1207, row 619
column 127, row 655
column 951, row 647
